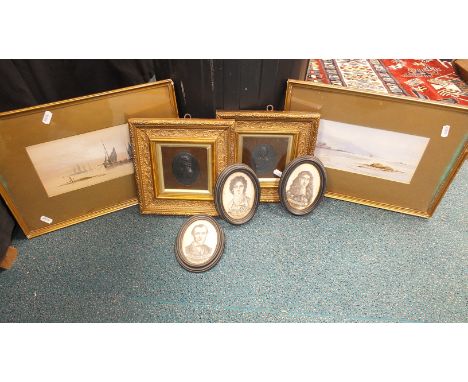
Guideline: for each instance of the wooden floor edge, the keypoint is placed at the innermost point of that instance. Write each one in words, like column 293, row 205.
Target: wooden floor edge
column 9, row 258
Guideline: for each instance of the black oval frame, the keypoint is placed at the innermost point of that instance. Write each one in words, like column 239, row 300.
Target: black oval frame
column 221, row 181
column 314, row 161
column 217, row 253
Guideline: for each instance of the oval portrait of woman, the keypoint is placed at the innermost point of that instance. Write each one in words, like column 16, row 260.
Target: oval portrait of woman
column 302, row 184
column 199, row 244
column 237, row 194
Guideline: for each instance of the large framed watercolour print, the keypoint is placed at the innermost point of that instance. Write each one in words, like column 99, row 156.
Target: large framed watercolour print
column 267, row 141
column 177, row 162
column 391, row 152
column 69, row 161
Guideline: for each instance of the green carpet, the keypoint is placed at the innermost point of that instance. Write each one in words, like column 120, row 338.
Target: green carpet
column 342, row 263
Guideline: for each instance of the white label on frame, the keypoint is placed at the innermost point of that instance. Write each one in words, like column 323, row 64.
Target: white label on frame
column 445, row 131
column 47, row 220
column 47, row 118
column 277, row 172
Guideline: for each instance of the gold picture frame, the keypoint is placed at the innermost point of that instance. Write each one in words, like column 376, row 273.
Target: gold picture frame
column 392, row 152
column 284, row 135
column 66, row 162
column 177, row 162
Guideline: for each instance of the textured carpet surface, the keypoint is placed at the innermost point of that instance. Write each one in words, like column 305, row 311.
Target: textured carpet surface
column 342, row 263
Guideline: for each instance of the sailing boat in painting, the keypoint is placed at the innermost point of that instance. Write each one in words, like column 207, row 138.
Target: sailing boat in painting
column 111, row 160
column 82, row 171
column 83, row 160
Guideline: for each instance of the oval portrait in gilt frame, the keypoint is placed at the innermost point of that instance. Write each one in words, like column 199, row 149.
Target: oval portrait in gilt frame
column 302, row 184
column 237, row 194
column 199, row 244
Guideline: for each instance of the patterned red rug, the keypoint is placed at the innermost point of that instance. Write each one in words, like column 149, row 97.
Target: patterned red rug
column 425, row 79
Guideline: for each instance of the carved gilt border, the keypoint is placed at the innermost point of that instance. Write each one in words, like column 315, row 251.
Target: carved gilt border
column 143, row 131
column 302, row 125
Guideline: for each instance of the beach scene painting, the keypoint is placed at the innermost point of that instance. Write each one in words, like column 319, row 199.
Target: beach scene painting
column 368, row 151
column 83, row 160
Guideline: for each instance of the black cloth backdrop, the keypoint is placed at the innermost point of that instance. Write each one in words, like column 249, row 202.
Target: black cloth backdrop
column 27, row 83
column 201, row 86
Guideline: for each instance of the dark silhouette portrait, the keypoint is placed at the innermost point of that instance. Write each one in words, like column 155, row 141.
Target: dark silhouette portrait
column 185, row 168
column 300, row 193
column 264, row 158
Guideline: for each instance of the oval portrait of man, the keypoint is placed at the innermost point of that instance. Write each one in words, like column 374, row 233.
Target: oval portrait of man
column 237, row 194
column 302, row 185
column 199, row 244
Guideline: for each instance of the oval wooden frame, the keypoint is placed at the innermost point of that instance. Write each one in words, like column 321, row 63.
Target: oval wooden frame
column 228, row 171
column 309, row 159
column 218, row 251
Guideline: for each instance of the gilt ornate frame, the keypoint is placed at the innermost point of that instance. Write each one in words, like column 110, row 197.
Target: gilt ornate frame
column 299, row 127
column 149, row 135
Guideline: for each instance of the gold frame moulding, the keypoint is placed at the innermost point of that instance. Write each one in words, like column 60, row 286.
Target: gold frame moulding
column 300, row 128
column 392, row 152
column 69, row 161
column 150, row 136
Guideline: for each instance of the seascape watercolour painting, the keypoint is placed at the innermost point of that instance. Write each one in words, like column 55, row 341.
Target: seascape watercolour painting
column 369, row 151
column 83, row 160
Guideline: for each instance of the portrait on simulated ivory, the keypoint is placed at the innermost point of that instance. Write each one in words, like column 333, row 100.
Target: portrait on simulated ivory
column 199, row 244
column 197, row 252
column 237, row 194
column 302, row 185
column 300, row 188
